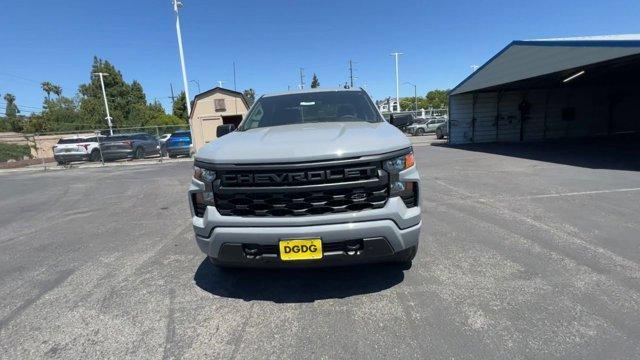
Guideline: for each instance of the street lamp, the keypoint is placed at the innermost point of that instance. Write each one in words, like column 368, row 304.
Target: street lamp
column 396, row 54
column 176, row 5
column 197, row 83
column 415, row 95
column 104, row 96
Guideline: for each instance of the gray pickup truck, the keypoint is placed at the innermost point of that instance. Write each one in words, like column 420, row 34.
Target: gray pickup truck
column 309, row 178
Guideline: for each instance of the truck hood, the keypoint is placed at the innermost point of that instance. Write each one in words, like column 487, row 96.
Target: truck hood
column 304, row 142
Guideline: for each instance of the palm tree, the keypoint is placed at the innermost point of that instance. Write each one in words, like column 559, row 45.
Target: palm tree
column 47, row 87
column 11, row 109
column 56, row 90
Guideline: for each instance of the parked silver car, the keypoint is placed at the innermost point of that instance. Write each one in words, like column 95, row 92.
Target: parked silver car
column 427, row 127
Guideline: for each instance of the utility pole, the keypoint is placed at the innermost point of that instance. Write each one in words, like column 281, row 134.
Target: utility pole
column 235, row 88
column 415, row 95
column 176, row 5
column 396, row 54
column 351, row 73
column 173, row 97
column 106, row 104
column 301, row 78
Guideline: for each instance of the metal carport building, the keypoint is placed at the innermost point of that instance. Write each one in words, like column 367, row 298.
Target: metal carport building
column 549, row 89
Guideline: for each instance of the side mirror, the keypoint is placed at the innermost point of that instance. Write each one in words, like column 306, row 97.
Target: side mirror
column 224, row 129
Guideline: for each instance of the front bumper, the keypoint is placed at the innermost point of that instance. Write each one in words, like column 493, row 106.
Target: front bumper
column 386, row 233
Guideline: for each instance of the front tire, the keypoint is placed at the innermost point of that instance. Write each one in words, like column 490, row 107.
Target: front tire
column 419, row 131
column 439, row 135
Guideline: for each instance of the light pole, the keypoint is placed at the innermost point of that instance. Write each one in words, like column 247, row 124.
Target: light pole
column 396, row 54
column 197, row 83
column 106, row 105
column 176, row 5
column 415, row 95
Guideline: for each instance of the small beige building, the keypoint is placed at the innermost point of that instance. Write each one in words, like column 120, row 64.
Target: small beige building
column 212, row 108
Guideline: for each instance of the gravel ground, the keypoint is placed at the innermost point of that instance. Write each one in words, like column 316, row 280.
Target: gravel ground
column 528, row 251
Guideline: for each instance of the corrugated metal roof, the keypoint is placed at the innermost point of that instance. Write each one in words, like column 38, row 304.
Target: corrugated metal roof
column 527, row 59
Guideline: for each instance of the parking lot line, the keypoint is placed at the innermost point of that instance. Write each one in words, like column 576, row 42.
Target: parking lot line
column 579, row 193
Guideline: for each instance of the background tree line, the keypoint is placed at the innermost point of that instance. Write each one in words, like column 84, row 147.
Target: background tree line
column 128, row 106
column 436, row 99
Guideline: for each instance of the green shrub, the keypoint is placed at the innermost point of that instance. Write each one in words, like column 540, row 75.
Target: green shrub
column 14, row 151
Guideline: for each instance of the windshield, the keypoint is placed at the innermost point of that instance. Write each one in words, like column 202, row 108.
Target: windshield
column 330, row 106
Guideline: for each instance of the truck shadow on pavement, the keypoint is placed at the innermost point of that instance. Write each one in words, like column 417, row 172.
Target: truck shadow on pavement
column 297, row 285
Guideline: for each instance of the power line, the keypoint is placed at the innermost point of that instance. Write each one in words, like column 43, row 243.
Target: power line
column 20, row 77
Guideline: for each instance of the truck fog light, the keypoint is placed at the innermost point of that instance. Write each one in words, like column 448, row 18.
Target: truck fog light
column 397, row 187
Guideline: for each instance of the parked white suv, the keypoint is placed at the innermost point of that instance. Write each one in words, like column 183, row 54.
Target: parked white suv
column 77, row 149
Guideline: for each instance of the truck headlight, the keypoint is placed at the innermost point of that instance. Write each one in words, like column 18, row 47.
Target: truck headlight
column 202, row 199
column 397, row 164
column 204, row 175
column 407, row 190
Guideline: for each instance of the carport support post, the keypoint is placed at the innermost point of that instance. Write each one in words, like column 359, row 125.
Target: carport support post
column 473, row 117
column 498, row 112
column 546, row 114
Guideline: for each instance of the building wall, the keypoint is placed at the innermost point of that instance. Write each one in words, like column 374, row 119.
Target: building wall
column 497, row 115
column 205, row 119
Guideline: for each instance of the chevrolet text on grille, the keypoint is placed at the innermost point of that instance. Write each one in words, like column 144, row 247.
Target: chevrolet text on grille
column 300, row 176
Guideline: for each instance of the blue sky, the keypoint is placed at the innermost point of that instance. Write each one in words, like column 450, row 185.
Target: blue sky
column 269, row 40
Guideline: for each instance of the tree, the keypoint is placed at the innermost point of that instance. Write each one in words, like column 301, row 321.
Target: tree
column 437, row 99
column 47, row 87
column 180, row 107
column 314, row 81
column 250, row 95
column 56, row 90
column 119, row 95
column 12, row 111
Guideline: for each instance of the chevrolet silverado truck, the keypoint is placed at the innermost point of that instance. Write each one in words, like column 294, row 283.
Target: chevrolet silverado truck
column 309, row 178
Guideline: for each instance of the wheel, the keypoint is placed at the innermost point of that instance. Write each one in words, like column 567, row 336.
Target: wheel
column 61, row 163
column 439, row 135
column 419, row 131
column 95, row 155
column 173, row 156
column 139, row 154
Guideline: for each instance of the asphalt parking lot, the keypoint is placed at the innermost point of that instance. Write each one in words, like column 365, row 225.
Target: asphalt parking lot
column 527, row 251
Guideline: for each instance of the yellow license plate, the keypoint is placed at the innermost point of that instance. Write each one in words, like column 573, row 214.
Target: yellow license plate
column 300, row 249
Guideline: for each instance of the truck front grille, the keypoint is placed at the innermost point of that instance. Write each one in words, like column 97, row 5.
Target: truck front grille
column 368, row 190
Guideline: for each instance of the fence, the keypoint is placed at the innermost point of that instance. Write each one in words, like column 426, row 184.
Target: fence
column 42, row 144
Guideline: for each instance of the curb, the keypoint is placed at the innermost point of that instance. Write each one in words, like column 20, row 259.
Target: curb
column 55, row 167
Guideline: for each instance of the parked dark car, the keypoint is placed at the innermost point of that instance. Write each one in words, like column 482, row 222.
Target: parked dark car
column 442, row 130
column 129, row 146
column 179, row 143
column 401, row 121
